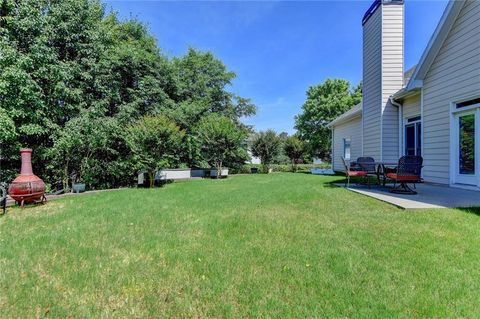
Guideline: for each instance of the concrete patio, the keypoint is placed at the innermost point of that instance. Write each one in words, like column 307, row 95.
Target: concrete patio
column 429, row 196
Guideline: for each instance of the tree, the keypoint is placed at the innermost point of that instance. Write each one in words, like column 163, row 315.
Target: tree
column 266, row 145
column 294, row 148
column 203, row 79
column 155, row 142
column 202, row 83
column 324, row 103
column 72, row 75
column 220, row 139
column 77, row 150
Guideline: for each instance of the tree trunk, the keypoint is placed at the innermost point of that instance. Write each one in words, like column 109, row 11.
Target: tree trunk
column 151, row 176
column 219, row 170
column 266, row 168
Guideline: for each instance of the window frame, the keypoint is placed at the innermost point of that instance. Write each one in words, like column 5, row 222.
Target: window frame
column 347, row 141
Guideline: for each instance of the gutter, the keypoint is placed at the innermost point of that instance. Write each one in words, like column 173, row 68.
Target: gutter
column 404, row 93
column 394, row 103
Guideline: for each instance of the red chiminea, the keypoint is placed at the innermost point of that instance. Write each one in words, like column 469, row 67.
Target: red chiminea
column 27, row 187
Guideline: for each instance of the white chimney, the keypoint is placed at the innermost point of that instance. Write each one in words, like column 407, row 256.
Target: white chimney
column 383, row 65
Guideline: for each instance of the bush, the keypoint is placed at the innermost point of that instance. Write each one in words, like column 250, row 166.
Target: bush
column 245, row 169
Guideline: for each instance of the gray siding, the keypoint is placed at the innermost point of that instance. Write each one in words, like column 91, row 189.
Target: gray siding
column 352, row 130
column 454, row 74
column 411, row 107
column 372, row 75
column 392, row 77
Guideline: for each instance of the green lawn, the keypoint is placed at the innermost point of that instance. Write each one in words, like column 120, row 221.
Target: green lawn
column 279, row 245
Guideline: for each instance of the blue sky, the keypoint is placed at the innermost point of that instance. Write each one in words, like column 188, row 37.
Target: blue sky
column 277, row 48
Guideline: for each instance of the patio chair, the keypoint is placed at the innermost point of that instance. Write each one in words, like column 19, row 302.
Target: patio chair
column 352, row 172
column 368, row 165
column 409, row 171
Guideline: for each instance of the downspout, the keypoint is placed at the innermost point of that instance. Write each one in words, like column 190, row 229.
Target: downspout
column 400, row 124
column 332, row 159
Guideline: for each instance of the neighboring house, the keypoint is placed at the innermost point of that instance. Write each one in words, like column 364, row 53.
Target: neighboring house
column 432, row 110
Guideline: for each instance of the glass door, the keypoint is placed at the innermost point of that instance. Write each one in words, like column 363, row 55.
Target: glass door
column 413, row 139
column 466, row 157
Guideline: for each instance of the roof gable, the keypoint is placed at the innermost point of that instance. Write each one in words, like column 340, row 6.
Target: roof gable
column 348, row 115
column 435, row 44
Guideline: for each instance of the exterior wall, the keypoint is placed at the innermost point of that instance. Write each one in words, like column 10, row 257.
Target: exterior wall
column 372, row 75
column 411, row 107
column 392, row 77
column 352, row 130
column 454, row 75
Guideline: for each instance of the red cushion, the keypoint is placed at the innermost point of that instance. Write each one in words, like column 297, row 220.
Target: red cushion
column 357, row 173
column 403, row 177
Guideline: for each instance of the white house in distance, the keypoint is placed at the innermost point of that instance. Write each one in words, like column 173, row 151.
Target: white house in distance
column 432, row 110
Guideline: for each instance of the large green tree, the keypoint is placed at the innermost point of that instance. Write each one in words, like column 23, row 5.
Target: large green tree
column 324, row 103
column 266, row 146
column 202, row 88
column 84, row 151
column 155, row 142
column 221, row 140
column 294, row 148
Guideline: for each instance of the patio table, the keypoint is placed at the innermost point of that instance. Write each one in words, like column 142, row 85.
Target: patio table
column 381, row 168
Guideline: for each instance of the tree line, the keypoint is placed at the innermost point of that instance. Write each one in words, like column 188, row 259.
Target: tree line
column 98, row 101
column 324, row 102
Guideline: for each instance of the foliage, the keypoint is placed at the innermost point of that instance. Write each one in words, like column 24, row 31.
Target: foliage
column 281, row 157
column 266, row 145
column 277, row 168
column 220, row 140
column 324, row 103
column 155, row 142
column 294, row 148
column 82, row 149
column 65, row 63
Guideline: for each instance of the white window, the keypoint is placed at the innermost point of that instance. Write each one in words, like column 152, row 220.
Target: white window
column 346, row 148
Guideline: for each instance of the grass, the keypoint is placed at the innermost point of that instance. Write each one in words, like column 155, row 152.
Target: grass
column 281, row 246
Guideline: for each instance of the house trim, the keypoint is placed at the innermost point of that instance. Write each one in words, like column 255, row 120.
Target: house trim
column 400, row 128
column 435, row 43
column 382, row 109
column 473, row 109
column 333, row 147
column 422, row 130
column 403, row 138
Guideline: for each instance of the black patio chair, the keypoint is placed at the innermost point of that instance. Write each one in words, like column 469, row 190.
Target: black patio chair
column 409, row 171
column 368, row 165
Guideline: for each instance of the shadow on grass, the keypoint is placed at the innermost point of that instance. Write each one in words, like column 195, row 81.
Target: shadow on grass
column 470, row 210
column 340, row 179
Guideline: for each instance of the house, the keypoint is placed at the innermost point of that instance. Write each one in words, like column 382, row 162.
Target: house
column 432, row 110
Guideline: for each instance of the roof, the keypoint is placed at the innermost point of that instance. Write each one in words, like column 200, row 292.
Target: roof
column 408, row 74
column 404, row 93
column 436, row 41
column 350, row 114
column 375, row 5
